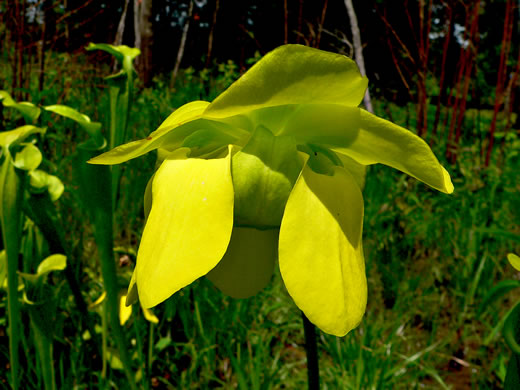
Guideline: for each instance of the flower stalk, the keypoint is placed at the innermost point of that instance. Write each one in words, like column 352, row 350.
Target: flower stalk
column 311, row 349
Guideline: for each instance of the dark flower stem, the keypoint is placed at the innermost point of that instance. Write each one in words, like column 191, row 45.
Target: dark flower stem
column 311, row 348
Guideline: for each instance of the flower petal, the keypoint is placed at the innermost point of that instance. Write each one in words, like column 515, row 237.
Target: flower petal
column 248, row 264
column 125, row 311
column 292, row 74
column 320, row 251
column 514, row 260
column 132, row 295
column 189, row 226
column 358, row 171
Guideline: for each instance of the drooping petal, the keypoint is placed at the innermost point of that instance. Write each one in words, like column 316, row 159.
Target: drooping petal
column 125, row 311
column 248, row 264
column 358, row 171
column 189, row 226
column 132, row 295
column 147, row 204
column 514, row 260
column 149, row 316
column 320, row 252
column 367, row 139
column 292, row 74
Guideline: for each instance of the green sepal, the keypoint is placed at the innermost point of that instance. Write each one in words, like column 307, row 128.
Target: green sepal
column 292, row 74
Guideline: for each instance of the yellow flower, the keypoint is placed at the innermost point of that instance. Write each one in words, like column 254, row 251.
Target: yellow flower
column 272, row 168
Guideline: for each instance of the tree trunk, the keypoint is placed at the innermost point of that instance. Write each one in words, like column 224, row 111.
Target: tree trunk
column 450, row 25
column 502, row 74
column 285, row 23
column 182, row 44
column 121, row 26
column 137, row 27
column 300, row 19
column 358, row 49
column 322, row 22
column 211, row 33
column 143, row 38
column 468, row 60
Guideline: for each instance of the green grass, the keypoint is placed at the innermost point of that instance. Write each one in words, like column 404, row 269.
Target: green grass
column 431, row 258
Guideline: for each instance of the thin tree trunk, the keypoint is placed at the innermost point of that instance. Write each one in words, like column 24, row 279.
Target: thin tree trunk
column 499, row 91
column 443, row 68
column 509, row 101
column 143, row 37
column 137, row 27
column 322, row 21
column 300, row 18
column 121, row 26
column 456, row 90
column 17, row 64
column 285, row 23
column 358, row 49
column 471, row 56
column 182, row 44
column 211, row 33
column 41, row 57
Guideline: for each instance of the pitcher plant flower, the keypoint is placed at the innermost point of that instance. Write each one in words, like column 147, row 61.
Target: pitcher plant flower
column 271, row 170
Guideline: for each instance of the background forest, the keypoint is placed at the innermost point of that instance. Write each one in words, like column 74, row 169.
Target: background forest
column 441, row 291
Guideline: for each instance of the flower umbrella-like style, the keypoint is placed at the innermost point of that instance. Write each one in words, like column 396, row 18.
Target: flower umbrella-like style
column 272, row 168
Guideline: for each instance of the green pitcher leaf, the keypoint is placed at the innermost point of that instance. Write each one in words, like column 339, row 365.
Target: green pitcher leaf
column 3, row 268
column 498, row 291
column 55, row 187
column 511, row 329
column 28, row 110
column 512, row 381
column 18, row 135
column 119, row 52
column 55, row 262
column 29, row 158
column 41, row 181
column 92, row 128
